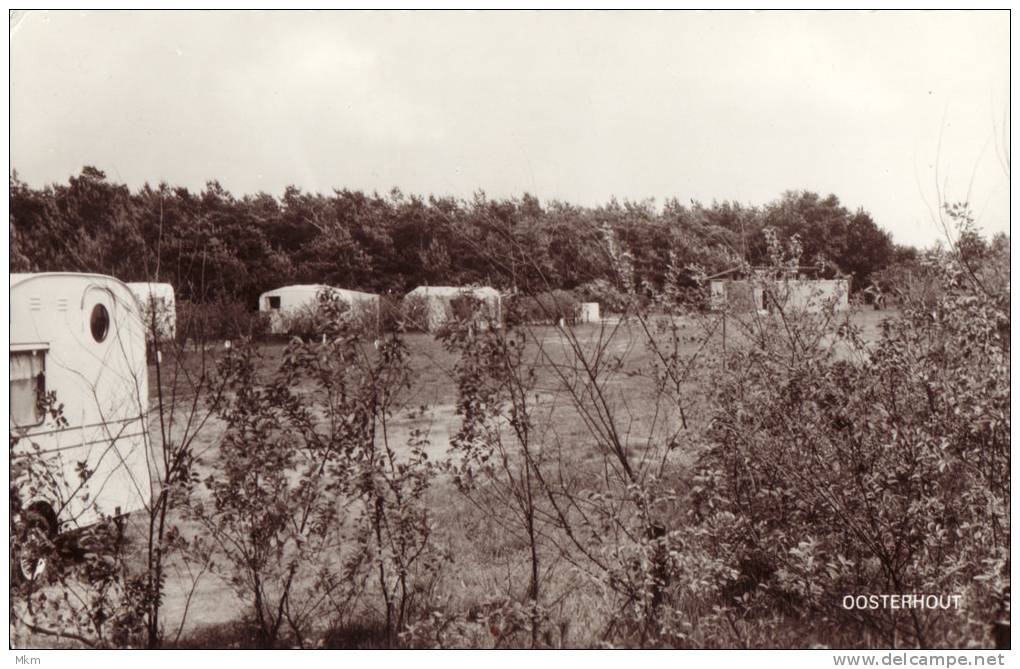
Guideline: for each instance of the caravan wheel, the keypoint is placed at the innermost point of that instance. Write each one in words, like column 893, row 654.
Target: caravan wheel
column 37, row 517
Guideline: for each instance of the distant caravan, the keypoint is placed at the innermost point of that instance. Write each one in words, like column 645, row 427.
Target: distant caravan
column 287, row 305
column 429, row 308
column 80, row 337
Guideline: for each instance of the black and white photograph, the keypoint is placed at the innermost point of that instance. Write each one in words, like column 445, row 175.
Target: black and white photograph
column 373, row 330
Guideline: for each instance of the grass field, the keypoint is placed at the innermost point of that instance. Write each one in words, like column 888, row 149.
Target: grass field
column 203, row 610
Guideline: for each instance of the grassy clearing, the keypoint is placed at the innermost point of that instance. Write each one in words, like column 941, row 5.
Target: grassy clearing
column 487, row 557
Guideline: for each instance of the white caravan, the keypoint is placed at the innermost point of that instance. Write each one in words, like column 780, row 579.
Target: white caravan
column 81, row 337
column 289, row 301
column 437, row 304
column 159, row 308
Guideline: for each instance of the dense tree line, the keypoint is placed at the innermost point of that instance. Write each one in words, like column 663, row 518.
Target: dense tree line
column 215, row 244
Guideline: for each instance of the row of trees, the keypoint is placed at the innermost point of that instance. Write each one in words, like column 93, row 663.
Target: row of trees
column 212, row 244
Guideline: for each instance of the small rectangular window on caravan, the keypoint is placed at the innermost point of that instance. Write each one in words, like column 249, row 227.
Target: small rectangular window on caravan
column 28, row 386
column 274, row 301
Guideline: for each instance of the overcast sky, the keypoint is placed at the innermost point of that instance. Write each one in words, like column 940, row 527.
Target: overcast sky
column 573, row 106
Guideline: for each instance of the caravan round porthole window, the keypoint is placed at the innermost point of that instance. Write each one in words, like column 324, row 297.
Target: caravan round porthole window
column 99, row 322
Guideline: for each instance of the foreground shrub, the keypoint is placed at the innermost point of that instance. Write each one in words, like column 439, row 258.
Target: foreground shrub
column 837, row 470
column 217, row 321
column 545, row 308
column 391, row 314
column 415, row 314
column 606, row 294
column 66, row 587
column 310, row 509
column 329, row 315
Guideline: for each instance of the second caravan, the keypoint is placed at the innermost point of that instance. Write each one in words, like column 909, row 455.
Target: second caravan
column 287, row 303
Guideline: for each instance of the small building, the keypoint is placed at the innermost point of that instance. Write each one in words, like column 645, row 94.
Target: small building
column 430, row 307
column 289, row 302
column 735, row 295
column 814, row 295
column 761, row 291
column 588, row 312
column 159, row 309
column 81, row 338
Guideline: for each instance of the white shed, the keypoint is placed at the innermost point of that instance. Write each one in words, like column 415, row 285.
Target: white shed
column 808, row 295
column 159, row 308
column 815, row 295
column 588, row 312
column 436, row 303
column 290, row 301
column 741, row 295
column 81, row 337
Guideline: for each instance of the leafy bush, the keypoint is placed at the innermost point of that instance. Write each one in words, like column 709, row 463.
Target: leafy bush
column 607, row 295
column 465, row 308
column 391, row 314
column 66, row 586
column 415, row 312
column 309, row 505
column 845, row 470
column 544, row 308
column 424, row 314
column 214, row 321
column 912, row 282
column 331, row 315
